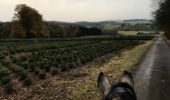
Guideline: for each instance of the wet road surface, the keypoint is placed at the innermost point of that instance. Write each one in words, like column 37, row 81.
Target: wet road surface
column 152, row 78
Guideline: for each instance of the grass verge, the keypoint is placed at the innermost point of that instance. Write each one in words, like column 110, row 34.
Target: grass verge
column 113, row 69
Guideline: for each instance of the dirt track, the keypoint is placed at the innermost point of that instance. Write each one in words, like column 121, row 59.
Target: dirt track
column 152, row 78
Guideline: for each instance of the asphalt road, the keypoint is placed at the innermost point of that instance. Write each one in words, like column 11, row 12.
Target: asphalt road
column 152, row 77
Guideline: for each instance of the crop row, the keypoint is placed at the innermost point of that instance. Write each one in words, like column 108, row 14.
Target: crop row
column 5, row 79
column 86, row 38
column 18, row 47
column 64, row 59
column 30, row 45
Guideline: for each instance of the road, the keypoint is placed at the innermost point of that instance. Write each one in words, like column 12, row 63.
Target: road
column 152, row 77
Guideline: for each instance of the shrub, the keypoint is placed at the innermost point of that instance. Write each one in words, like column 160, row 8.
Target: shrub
column 41, row 65
column 5, row 80
column 24, row 65
column 47, row 68
column 12, row 50
column 54, row 70
column 16, row 69
column 42, row 75
column 70, row 65
column 23, row 75
column 6, row 63
column 3, row 73
column 5, row 53
column 27, row 82
column 64, row 67
column 83, row 60
column 36, row 72
column 8, row 88
column 23, row 58
column 14, row 60
column 32, row 67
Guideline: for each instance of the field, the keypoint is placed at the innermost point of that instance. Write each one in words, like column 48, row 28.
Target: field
column 135, row 32
column 39, row 65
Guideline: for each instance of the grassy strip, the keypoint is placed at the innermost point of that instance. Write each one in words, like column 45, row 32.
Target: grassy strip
column 113, row 69
column 135, row 32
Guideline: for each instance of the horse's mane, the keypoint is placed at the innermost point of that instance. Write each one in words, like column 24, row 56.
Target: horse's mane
column 128, row 90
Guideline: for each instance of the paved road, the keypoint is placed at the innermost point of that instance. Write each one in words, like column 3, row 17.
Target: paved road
column 152, row 78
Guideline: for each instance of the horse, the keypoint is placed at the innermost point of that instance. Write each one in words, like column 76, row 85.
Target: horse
column 123, row 90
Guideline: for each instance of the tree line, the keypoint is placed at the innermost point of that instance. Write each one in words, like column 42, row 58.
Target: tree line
column 162, row 16
column 28, row 23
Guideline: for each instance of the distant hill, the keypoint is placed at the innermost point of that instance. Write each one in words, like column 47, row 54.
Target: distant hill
column 137, row 21
column 108, row 25
column 61, row 24
column 116, row 25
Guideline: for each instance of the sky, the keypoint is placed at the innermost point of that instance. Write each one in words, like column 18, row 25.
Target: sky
column 81, row 10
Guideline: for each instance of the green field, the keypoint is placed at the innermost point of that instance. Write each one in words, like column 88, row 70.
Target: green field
column 135, row 32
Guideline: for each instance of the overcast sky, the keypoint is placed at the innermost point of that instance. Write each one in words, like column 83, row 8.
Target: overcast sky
column 81, row 10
